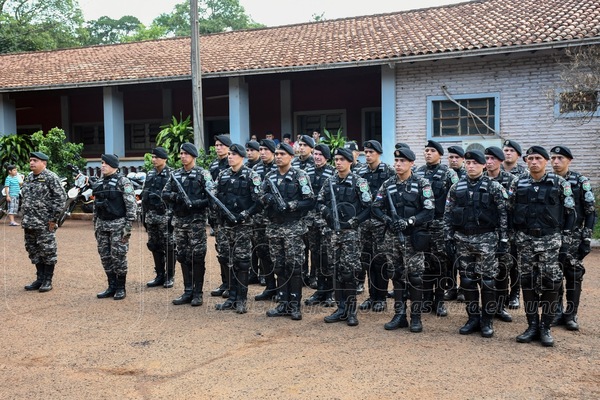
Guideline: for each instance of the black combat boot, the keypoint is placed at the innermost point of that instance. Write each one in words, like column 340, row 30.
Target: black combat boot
column 112, row 286
column 415, row 290
column 270, row 282
column 223, row 287
column 502, row 295
column 440, row 307
column 242, row 280
column 488, row 307
column 340, row 314
column 573, row 296
column 198, row 270
column 39, row 278
column 399, row 319
column 558, row 316
column 549, row 304
column 471, row 293
column 229, row 304
column 531, row 305
column 533, row 328
column 121, row 292
column 329, row 300
column 188, row 286
column 350, row 294
column 319, row 296
column 170, row 275
column 427, row 302
column 295, row 296
column 283, row 292
column 47, row 283
column 159, row 267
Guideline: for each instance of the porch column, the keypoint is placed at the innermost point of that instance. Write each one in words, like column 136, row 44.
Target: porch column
column 388, row 112
column 114, row 122
column 239, row 111
column 285, row 100
column 8, row 116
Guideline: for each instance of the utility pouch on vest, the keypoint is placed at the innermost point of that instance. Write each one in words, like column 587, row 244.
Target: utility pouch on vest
column 421, row 240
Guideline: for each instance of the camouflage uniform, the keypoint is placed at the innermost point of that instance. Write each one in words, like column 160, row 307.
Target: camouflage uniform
column 574, row 251
column 305, row 165
column 507, row 262
column 43, row 200
column 437, row 262
column 189, row 224
column 541, row 209
column 316, row 241
column 299, row 163
column 353, row 200
column 357, row 166
column 157, row 221
column 284, row 232
column 517, row 171
column 114, row 213
column 460, row 172
column 474, row 219
column 413, row 204
column 239, row 192
column 260, row 241
column 221, row 242
column 372, row 233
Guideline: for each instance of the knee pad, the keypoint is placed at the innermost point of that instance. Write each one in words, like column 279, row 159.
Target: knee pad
column 415, row 280
column 527, row 281
column 468, row 281
column 153, row 246
column 548, row 284
column 574, row 275
column 488, row 283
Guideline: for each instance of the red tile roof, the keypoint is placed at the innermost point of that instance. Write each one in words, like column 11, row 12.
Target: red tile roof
column 474, row 27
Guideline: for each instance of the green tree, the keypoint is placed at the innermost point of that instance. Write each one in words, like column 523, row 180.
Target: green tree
column 14, row 150
column 32, row 25
column 61, row 153
column 106, row 30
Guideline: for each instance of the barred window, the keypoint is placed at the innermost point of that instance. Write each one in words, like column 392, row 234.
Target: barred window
column 448, row 119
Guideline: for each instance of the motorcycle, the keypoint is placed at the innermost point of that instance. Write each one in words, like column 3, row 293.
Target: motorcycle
column 80, row 193
column 137, row 180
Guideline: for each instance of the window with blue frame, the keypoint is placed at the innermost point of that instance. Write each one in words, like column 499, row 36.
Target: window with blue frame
column 466, row 116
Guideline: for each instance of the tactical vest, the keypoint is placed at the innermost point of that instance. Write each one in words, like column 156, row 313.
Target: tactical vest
column 474, row 210
column 573, row 179
column 436, row 177
column 290, row 191
column 303, row 164
column 347, row 197
column 318, row 176
column 218, row 166
column 192, row 187
column 236, row 193
column 405, row 198
column 155, row 183
column 262, row 169
column 538, row 209
column 375, row 178
column 108, row 199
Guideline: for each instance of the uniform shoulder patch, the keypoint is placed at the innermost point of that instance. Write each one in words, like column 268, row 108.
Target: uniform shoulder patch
column 303, row 180
column 128, row 188
column 255, row 180
column 363, row 186
column 587, row 186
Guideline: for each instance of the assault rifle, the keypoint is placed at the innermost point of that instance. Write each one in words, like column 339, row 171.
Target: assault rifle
column 334, row 209
column 222, row 206
column 394, row 213
column 281, row 204
column 182, row 192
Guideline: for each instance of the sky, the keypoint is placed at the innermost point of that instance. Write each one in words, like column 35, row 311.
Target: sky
column 267, row 12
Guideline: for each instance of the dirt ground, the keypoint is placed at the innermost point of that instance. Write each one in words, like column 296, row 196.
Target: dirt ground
column 67, row 344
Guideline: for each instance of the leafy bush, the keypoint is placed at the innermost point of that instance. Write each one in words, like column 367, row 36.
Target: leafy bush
column 14, row 150
column 61, row 153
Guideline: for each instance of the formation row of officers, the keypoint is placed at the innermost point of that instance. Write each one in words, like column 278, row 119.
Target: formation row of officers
column 490, row 221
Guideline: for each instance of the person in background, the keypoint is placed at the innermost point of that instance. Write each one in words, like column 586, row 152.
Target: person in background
column 12, row 187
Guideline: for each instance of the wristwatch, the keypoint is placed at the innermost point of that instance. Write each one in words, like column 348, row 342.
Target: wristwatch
column 411, row 221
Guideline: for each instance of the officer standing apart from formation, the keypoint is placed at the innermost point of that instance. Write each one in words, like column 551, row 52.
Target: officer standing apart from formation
column 43, row 200
column 285, row 228
column 222, row 143
column 185, row 192
column 581, row 237
column 317, row 239
column 238, row 189
column 157, row 221
column 493, row 160
column 437, row 261
column 475, row 226
column 114, row 213
column 260, row 241
column 543, row 215
column 405, row 203
column 372, row 232
column 351, row 197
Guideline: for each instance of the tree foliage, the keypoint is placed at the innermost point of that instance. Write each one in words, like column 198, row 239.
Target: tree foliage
column 61, row 153
column 106, row 30
column 14, row 150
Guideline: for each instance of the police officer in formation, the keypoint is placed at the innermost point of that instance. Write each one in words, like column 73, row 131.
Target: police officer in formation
column 543, row 216
column 43, row 200
column 157, row 220
column 288, row 197
column 372, row 232
column 344, row 202
column 353, row 147
column 186, row 194
column 437, row 260
column 260, row 241
column 238, row 188
column 114, row 213
column 405, row 204
column 222, row 143
column 252, row 153
column 317, row 245
column 578, row 246
column 476, row 224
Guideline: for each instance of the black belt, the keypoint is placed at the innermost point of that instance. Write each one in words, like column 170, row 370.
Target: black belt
column 475, row 231
column 540, row 232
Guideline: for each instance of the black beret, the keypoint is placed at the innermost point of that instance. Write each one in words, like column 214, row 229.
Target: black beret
column 514, row 145
column 405, row 152
column 324, row 149
column 352, row 146
column 269, row 144
column 286, row 147
column 438, row 147
column 401, row 145
column 223, row 139
column 190, row 149
column 39, row 155
column 475, row 155
column 253, row 144
column 238, row 149
column 563, row 151
column 496, row 152
column 160, row 152
column 111, row 159
column 373, row 145
column 310, row 142
column 346, row 153
column 538, row 150
column 456, row 150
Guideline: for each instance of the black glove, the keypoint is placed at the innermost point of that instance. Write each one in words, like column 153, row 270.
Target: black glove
column 327, row 215
column 450, row 248
column 400, row 225
column 268, row 199
column 241, row 217
column 502, row 247
column 282, row 207
column 388, row 222
column 201, row 204
column 585, row 247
